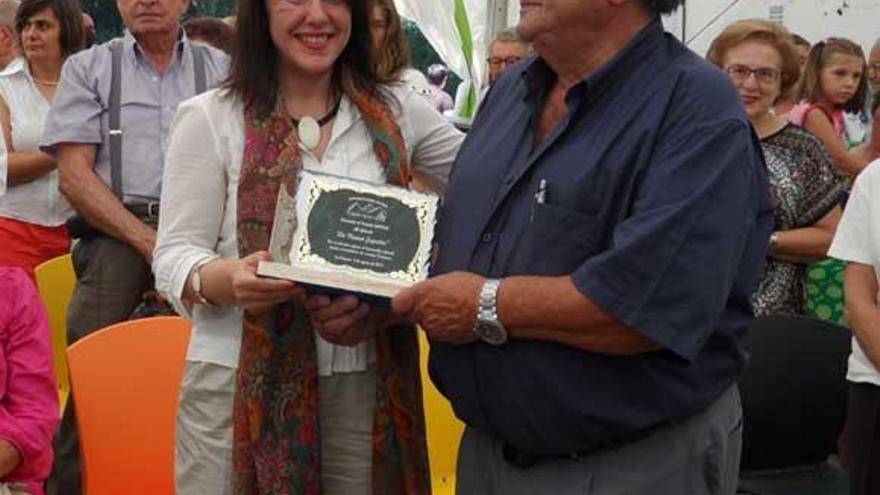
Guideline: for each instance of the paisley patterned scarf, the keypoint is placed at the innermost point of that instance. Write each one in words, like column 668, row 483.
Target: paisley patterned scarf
column 276, row 444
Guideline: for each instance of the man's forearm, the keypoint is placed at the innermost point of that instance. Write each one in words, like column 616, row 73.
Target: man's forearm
column 10, row 458
column 27, row 167
column 92, row 198
column 551, row 308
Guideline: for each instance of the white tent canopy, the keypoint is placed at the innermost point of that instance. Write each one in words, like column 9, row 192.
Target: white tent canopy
column 460, row 30
column 813, row 19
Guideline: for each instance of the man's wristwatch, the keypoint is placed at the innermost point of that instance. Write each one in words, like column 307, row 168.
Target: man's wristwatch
column 487, row 326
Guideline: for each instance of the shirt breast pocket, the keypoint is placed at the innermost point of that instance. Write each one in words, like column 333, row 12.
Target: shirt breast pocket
column 559, row 240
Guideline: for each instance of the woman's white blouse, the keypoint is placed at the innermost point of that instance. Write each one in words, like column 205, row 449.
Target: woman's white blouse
column 38, row 202
column 197, row 220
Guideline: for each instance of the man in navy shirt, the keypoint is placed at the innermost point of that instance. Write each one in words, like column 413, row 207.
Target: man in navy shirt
column 601, row 235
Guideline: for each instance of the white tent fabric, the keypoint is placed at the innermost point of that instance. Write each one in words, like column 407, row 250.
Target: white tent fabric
column 436, row 19
column 812, row 19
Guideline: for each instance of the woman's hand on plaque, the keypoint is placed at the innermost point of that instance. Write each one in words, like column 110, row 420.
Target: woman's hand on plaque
column 257, row 294
column 345, row 320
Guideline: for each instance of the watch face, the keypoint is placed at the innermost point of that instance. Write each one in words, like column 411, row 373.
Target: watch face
column 491, row 333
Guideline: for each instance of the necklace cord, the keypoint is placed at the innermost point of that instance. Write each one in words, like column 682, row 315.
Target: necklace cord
column 323, row 120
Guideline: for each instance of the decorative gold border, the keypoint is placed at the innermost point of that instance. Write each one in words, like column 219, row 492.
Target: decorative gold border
column 424, row 204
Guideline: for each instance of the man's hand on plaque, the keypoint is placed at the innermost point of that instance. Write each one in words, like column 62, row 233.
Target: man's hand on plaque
column 344, row 320
column 256, row 294
column 445, row 306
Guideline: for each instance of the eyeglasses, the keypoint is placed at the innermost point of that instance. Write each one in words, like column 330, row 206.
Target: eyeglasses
column 498, row 61
column 873, row 69
column 764, row 75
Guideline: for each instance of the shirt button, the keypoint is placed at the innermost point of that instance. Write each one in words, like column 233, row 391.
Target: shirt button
column 487, row 237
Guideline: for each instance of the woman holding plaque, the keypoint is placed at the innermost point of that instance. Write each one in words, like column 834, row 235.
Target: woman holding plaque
column 303, row 94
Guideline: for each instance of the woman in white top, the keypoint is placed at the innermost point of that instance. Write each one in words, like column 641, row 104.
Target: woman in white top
column 391, row 48
column 32, row 211
column 311, row 370
column 858, row 243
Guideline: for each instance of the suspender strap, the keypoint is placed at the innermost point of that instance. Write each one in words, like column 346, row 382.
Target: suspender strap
column 115, row 138
column 198, row 56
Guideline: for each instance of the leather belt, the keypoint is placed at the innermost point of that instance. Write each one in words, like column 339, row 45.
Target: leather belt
column 144, row 210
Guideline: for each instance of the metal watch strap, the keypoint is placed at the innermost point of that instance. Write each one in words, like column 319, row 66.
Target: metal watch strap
column 488, row 304
column 487, row 326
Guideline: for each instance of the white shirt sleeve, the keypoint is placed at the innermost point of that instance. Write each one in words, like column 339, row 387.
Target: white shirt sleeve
column 193, row 199
column 433, row 141
column 852, row 241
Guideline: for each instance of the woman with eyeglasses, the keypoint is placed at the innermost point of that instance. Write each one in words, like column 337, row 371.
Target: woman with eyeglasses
column 762, row 62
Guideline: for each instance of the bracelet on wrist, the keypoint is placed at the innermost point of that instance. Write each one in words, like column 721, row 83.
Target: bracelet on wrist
column 198, row 286
column 774, row 244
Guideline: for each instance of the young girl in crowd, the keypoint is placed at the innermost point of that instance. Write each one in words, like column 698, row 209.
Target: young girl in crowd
column 834, row 82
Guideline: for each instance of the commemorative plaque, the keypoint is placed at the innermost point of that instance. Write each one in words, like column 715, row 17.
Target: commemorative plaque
column 357, row 237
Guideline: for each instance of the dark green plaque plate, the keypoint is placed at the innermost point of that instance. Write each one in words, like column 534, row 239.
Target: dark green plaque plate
column 353, row 236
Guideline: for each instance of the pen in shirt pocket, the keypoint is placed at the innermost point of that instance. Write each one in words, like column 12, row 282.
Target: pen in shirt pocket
column 540, row 197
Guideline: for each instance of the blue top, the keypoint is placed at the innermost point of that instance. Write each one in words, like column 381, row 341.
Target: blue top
column 80, row 111
column 656, row 203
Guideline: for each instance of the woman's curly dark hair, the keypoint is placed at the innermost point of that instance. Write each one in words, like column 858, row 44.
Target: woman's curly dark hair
column 662, row 6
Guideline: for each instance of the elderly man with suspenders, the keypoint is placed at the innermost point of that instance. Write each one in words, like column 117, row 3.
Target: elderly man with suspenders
column 108, row 129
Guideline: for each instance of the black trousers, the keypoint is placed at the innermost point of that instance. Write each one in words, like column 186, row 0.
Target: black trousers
column 863, row 438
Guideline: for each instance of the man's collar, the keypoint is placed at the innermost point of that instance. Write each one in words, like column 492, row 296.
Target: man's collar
column 539, row 75
column 131, row 44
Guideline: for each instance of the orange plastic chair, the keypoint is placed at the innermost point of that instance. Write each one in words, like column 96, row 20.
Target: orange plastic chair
column 444, row 430
column 55, row 281
column 126, row 379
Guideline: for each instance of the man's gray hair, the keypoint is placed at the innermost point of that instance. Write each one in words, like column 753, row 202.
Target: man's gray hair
column 662, row 6
column 508, row 36
column 8, row 8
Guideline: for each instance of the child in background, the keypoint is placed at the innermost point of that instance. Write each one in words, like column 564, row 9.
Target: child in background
column 834, row 82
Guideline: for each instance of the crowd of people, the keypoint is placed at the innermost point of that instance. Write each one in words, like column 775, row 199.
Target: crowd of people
column 611, row 224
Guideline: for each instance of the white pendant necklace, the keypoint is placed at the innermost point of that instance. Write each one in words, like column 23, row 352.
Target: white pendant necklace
column 309, row 130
